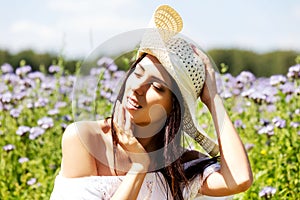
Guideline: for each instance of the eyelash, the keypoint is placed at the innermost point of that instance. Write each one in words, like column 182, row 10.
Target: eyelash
column 158, row 88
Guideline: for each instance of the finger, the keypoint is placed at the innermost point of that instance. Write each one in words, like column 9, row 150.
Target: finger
column 128, row 124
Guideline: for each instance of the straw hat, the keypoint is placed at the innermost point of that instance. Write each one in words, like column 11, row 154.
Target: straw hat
column 182, row 63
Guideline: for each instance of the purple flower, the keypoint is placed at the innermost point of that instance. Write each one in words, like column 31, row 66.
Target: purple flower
column 21, row 71
column 22, row 130
column 119, row 74
column 11, row 79
column 35, row 132
column 46, row 122
column 278, row 122
column 36, row 75
column 15, row 113
column 6, row 68
column 287, row 88
column 239, row 124
column 269, row 130
column 267, row 192
column 106, row 61
column 67, row 118
column 60, row 104
column 245, row 78
column 41, row 102
column 54, row 69
column 248, row 146
column 31, row 181
column 294, row 71
column 294, row 124
column 6, row 97
column 53, row 112
column 9, row 147
column 23, row 160
column 96, row 71
column 27, row 82
column 48, row 85
column 19, row 96
column 277, row 79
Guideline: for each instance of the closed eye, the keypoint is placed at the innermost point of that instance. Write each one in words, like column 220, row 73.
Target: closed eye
column 158, row 86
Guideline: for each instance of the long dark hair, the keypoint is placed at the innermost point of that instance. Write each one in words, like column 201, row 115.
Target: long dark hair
column 177, row 167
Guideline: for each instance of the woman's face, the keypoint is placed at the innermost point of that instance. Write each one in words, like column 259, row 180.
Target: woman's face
column 147, row 96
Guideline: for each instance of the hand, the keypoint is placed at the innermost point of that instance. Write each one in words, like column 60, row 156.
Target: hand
column 209, row 90
column 127, row 140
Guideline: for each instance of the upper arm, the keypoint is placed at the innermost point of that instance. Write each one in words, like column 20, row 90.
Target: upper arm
column 215, row 185
column 76, row 160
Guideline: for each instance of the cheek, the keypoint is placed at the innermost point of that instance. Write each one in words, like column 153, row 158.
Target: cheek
column 161, row 104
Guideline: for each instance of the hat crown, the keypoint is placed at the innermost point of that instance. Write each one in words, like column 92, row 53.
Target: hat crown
column 191, row 62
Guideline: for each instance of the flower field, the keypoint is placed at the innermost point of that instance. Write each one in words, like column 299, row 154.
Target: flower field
column 36, row 107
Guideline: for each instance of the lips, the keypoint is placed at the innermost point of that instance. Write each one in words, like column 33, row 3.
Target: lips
column 132, row 104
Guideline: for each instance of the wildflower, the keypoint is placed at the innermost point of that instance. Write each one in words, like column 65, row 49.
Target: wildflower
column 35, row 132
column 15, row 113
column 60, row 104
column 277, row 79
column 27, row 83
column 269, row 130
column 54, row 69
column 9, row 147
column 226, row 94
column 245, row 78
column 41, row 102
column 6, row 68
column 280, row 123
column 21, row 71
column 239, row 124
column 105, row 61
column 96, row 71
column 31, row 181
column 294, row 71
column 263, row 152
column 53, row 112
column 67, row 118
column 267, row 192
column 248, row 146
column 36, row 75
column 46, row 122
column 6, row 97
column 287, row 88
column 19, row 95
column 295, row 124
column 48, row 85
column 258, row 97
column 22, row 130
column 23, row 160
column 119, row 74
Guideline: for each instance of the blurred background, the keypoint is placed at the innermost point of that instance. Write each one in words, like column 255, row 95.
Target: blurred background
column 259, row 36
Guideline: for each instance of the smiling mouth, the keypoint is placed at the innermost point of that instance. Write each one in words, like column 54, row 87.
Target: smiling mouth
column 132, row 104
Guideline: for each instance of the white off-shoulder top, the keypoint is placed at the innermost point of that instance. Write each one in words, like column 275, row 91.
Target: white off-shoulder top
column 154, row 187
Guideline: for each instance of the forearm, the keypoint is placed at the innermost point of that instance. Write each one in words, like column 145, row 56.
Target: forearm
column 131, row 184
column 235, row 166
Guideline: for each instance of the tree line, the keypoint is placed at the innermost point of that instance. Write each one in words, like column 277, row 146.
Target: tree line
column 227, row 60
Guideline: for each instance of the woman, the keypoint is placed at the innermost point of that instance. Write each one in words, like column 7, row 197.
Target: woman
column 138, row 152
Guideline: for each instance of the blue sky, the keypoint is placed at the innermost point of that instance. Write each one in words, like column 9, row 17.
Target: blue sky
column 75, row 27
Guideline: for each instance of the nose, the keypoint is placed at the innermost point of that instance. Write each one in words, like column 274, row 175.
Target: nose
column 139, row 88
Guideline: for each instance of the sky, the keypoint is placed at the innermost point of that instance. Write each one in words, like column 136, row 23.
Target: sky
column 73, row 28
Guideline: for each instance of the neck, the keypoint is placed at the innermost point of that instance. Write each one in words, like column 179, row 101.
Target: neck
column 146, row 134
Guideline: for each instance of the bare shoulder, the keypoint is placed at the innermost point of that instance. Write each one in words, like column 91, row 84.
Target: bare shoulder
column 79, row 143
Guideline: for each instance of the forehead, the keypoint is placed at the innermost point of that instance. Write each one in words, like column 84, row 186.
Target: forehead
column 154, row 68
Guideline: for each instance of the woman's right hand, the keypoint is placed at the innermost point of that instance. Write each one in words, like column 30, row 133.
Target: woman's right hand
column 127, row 140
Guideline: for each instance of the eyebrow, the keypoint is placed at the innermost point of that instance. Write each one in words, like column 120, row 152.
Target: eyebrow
column 141, row 66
